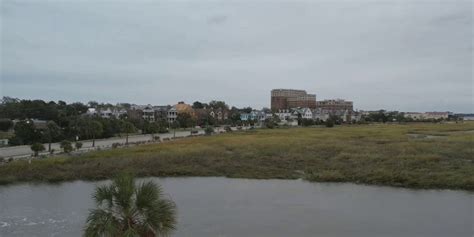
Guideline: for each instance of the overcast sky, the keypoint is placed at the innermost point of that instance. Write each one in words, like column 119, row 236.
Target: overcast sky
column 407, row 55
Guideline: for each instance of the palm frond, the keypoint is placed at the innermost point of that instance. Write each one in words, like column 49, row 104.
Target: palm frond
column 125, row 188
column 130, row 210
column 101, row 223
column 104, row 193
column 146, row 194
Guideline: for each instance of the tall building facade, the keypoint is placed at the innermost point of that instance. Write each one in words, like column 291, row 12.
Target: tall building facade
column 289, row 98
column 335, row 105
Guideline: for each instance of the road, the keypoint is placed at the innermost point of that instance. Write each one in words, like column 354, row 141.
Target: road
column 25, row 151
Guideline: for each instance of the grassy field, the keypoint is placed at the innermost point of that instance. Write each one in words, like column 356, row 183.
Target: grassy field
column 412, row 155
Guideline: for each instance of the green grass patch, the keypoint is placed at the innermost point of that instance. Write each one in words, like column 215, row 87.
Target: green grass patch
column 371, row 154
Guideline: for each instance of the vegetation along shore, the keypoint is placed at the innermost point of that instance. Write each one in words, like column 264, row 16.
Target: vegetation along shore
column 415, row 155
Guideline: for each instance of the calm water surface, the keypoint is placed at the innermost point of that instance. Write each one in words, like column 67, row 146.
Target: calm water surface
column 240, row 207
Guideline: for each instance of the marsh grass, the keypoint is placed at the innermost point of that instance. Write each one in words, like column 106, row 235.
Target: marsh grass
column 371, row 154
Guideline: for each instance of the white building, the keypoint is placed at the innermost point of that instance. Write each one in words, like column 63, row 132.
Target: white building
column 148, row 114
column 414, row 115
column 91, row 112
column 284, row 114
column 172, row 114
column 436, row 115
column 306, row 113
column 320, row 114
column 107, row 113
column 117, row 113
column 427, row 115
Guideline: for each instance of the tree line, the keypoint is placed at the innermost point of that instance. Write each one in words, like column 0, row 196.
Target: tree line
column 48, row 122
column 38, row 121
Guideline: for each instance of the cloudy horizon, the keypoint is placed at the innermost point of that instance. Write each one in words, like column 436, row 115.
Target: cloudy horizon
column 407, row 55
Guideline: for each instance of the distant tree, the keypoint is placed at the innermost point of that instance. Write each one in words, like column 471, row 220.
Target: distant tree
column 307, row 122
column 329, row 123
column 78, row 145
column 300, row 119
column 235, row 116
column 269, row 123
column 198, row 105
column 218, row 104
column 36, row 148
column 6, row 124
column 247, row 110
column 75, row 109
column 66, row 146
column 185, row 120
column 9, row 100
column 125, row 105
column 93, row 104
column 96, row 131
column 209, row 130
column 51, row 133
column 127, row 128
column 150, row 128
column 206, row 120
column 126, row 209
column 336, row 119
column 90, row 129
column 162, row 125
column 25, row 133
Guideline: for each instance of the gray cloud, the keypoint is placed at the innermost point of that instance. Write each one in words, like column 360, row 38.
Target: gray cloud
column 217, row 19
column 403, row 55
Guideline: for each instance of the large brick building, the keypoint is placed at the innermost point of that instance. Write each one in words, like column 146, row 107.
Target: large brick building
column 288, row 98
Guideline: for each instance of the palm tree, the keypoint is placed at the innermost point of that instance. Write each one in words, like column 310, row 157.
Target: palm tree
column 127, row 128
column 126, row 209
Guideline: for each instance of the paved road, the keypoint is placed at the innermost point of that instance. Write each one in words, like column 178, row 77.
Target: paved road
column 24, row 151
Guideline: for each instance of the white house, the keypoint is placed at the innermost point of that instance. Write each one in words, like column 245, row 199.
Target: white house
column 319, row 114
column 414, row 115
column 306, row 113
column 91, row 112
column 172, row 114
column 427, row 115
column 117, row 113
column 436, row 115
column 148, row 114
column 107, row 113
column 284, row 114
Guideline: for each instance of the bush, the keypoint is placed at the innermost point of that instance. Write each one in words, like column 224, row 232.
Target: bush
column 307, row 122
column 228, row 129
column 37, row 147
column 66, row 146
column 270, row 125
column 209, row 130
column 329, row 123
column 78, row 145
column 115, row 145
column 6, row 124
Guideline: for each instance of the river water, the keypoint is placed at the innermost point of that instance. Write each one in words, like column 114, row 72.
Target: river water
column 244, row 207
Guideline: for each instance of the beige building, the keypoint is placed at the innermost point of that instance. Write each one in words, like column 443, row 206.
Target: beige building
column 335, row 105
column 289, row 98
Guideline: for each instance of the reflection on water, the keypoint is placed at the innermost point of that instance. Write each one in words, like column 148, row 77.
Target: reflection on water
column 241, row 207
